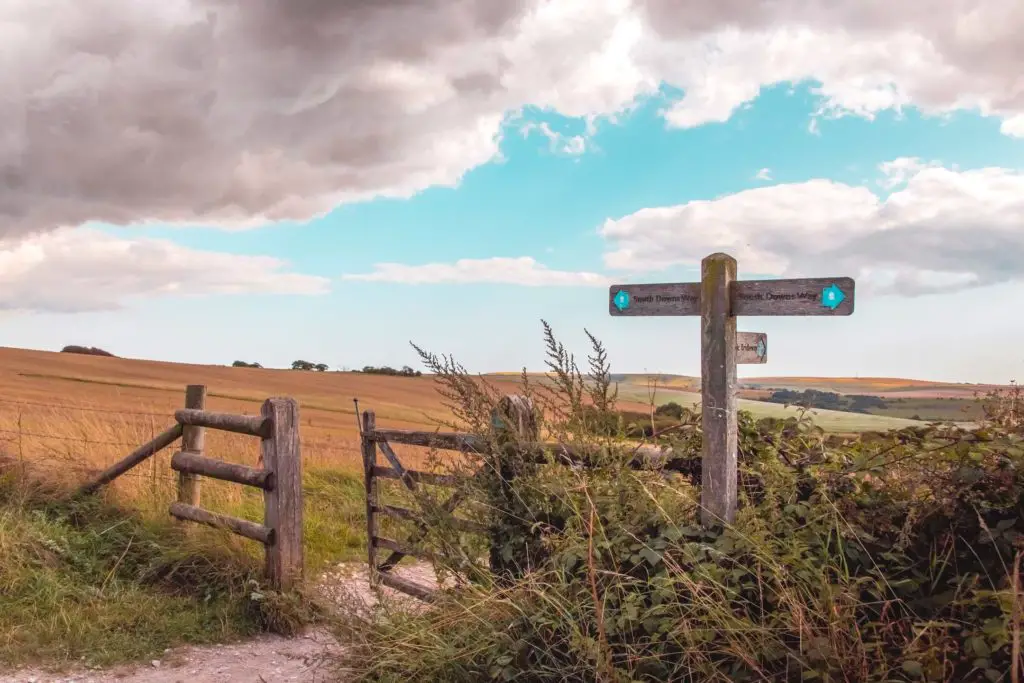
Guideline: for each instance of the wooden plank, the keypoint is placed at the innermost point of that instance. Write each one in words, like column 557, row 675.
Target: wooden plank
column 806, row 296
column 194, row 463
column 416, row 476
column 282, row 507
column 408, row 587
column 193, row 438
column 396, row 464
column 751, row 348
column 242, row 527
column 409, row 515
column 139, row 455
column 452, row 441
column 718, row 392
column 369, row 451
column 395, row 546
column 671, row 298
column 250, row 425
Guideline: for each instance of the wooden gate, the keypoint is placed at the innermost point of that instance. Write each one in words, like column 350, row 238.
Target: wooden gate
column 374, row 440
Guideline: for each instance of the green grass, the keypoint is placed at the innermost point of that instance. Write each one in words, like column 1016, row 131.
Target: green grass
column 932, row 409
column 829, row 420
column 94, row 583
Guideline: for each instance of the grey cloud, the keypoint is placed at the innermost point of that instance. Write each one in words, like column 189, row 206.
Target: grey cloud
column 978, row 42
column 231, row 110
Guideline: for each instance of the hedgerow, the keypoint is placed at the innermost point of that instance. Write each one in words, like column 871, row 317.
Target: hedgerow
column 882, row 557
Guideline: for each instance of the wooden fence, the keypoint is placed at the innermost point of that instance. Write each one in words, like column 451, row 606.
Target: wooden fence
column 280, row 477
column 514, row 414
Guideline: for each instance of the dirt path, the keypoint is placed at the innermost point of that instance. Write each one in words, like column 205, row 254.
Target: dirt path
column 310, row 658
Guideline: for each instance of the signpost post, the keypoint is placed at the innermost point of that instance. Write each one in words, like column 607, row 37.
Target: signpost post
column 718, row 299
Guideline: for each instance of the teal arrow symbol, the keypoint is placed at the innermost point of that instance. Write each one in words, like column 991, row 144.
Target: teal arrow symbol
column 832, row 296
column 621, row 300
column 761, row 348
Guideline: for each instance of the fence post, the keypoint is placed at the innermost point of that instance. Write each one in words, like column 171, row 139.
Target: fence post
column 193, row 439
column 718, row 391
column 369, row 450
column 283, row 503
column 514, row 421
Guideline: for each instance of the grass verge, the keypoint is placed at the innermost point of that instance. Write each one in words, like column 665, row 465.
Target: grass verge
column 93, row 582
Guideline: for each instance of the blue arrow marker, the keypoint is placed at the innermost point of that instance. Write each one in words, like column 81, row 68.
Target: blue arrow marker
column 621, row 300
column 832, row 296
column 761, row 349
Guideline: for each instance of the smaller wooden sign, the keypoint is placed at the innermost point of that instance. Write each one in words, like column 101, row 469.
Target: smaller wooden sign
column 806, row 296
column 751, row 348
column 672, row 298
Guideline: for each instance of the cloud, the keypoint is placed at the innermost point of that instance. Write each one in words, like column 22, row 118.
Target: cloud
column 523, row 271
column 943, row 230
column 763, row 174
column 81, row 269
column 569, row 145
column 239, row 112
column 867, row 55
column 899, row 171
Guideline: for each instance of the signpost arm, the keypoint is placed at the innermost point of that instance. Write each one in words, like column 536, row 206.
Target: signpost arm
column 718, row 391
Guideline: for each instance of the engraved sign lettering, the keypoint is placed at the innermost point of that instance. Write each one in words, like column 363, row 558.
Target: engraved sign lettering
column 751, row 348
column 682, row 298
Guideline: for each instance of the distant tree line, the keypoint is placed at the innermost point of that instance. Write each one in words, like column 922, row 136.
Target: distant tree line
column 306, row 365
column 309, row 366
column 406, row 371
column 828, row 400
column 87, row 350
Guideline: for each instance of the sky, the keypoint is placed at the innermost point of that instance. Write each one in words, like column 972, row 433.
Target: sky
column 214, row 180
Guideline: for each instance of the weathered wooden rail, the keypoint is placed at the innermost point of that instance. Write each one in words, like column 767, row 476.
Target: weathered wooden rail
column 279, row 477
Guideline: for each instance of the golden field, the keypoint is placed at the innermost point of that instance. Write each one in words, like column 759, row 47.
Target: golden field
column 76, row 413
column 71, row 415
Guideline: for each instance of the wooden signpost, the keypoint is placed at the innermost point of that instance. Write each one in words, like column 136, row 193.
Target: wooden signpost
column 718, row 299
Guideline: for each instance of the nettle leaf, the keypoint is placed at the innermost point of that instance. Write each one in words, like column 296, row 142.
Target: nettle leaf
column 653, row 557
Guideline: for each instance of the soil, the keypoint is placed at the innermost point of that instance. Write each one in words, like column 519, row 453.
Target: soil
column 314, row 657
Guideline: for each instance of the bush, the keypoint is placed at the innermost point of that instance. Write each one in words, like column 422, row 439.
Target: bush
column 243, row 364
column 308, row 366
column 87, row 350
column 670, row 409
column 888, row 557
column 406, row 371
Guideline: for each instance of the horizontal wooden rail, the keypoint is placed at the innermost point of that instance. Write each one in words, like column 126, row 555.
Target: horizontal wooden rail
column 645, row 456
column 143, row 452
column 252, row 425
column 242, row 527
column 414, row 475
column 408, row 587
column 194, row 463
column 409, row 515
column 395, row 546
column 451, row 441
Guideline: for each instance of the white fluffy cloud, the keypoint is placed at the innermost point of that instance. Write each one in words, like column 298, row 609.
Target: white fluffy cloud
column 73, row 270
column 511, row 271
column 235, row 112
column 939, row 230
